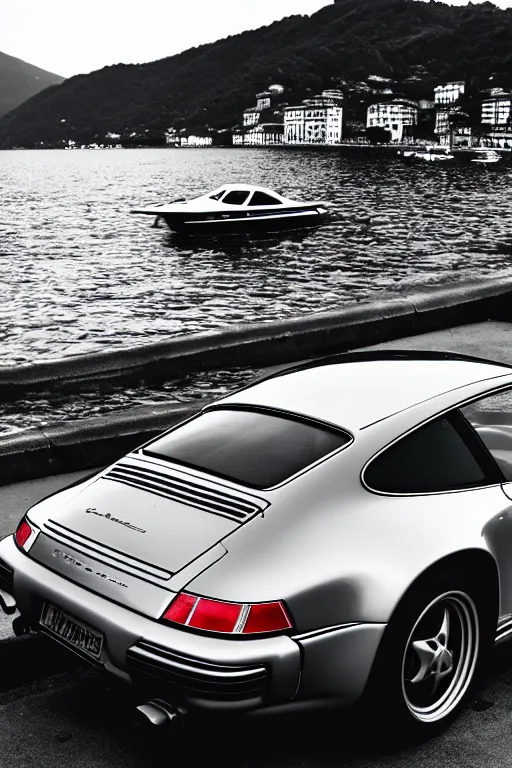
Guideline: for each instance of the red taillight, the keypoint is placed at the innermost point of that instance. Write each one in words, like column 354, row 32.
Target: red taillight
column 180, row 608
column 215, row 616
column 266, row 617
column 230, row 618
column 23, row 533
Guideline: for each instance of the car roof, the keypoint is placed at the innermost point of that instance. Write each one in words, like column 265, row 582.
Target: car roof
column 356, row 390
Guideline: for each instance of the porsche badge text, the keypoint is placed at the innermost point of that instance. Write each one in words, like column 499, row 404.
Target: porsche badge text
column 108, row 516
column 72, row 561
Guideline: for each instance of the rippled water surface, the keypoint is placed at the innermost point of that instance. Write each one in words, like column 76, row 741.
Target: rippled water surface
column 79, row 273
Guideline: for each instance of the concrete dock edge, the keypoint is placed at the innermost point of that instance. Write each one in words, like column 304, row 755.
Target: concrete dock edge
column 262, row 344
column 98, row 441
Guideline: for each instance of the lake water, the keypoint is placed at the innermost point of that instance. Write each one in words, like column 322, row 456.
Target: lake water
column 79, row 273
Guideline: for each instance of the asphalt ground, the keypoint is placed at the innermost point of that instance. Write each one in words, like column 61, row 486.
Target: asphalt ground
column 55, row 711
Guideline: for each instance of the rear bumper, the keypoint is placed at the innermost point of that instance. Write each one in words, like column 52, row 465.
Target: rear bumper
column 192, row 670
column 196, row 672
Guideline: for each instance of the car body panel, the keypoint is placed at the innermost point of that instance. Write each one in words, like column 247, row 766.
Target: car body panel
column 336, row 664
column 347, row 565
column 132, row 589
column 164, row 524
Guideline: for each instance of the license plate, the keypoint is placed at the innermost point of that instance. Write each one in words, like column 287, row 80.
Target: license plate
column 71, row 631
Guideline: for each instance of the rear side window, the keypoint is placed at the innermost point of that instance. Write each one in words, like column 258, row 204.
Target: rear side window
column 236, row 198
column 491, row 417
column 256, row 448
column 434, row 458
column 261, row 198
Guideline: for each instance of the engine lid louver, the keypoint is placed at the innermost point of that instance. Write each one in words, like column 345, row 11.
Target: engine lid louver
column 186, row 488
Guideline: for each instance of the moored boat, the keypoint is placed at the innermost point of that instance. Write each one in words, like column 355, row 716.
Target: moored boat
column 235, row 209
column 486, row 156
column 434, row 154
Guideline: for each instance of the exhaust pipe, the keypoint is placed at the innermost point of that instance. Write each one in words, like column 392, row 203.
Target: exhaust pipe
column 7, row 603
column 158, row 712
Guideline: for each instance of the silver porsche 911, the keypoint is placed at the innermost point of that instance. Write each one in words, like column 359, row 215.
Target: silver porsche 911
column 339, row 532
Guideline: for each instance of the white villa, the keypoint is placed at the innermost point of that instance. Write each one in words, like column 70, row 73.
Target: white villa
column 263, row 134
column 449, row 93
column 497, row 112
column 393, row 116
column 264, row 101
column 445, row 101
column 316, row 121
column 196, row 141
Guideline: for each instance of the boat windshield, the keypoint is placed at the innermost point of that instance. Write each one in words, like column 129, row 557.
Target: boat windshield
column 236, row 197
column 217, row 195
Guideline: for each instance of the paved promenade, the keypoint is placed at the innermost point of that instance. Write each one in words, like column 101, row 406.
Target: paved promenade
column 70, row 719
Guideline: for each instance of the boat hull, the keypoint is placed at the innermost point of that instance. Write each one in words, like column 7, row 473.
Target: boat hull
column 242, row 222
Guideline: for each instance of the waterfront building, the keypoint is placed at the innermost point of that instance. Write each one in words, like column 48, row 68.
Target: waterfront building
column 446, row 103
column 172, row 136
column 263, row 134
column 394, row 116
column 497, row 113
column 316, row 121
column 265, row 100
column 196, row 141
column 449, row 93
column 251, row 116
column 463, row 136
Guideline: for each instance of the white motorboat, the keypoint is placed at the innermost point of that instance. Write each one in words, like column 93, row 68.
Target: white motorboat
column 235, row 209
column 434, row 154
column 486, row 156
column 406, row 152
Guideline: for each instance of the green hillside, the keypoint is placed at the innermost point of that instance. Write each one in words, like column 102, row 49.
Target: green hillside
column 416, row 44
column 19, row 81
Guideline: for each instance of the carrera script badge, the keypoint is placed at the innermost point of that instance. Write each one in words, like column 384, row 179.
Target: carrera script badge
column 108, row 516
column 77, row 564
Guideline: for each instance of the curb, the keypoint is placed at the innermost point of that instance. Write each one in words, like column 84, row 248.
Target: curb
column 85, row 444
column 264, row 344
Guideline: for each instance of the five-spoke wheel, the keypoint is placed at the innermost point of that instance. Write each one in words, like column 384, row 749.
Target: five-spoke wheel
column 433, row 650
column 440, row 656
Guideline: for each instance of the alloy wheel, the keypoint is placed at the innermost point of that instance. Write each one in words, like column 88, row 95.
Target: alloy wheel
column 440, row 656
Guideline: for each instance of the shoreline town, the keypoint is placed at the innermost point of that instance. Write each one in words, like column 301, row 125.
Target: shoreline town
column 391, row 122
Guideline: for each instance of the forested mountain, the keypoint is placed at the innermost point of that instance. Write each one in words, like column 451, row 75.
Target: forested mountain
column 416, row 44
column 19, row 81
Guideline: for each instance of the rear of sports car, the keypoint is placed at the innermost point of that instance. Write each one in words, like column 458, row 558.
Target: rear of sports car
column 104, row 568
column 109, row 584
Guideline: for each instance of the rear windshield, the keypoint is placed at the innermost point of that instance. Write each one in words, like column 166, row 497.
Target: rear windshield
column 255, row 448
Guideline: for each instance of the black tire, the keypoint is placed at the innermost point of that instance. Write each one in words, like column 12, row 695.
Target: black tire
column 411, row 693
